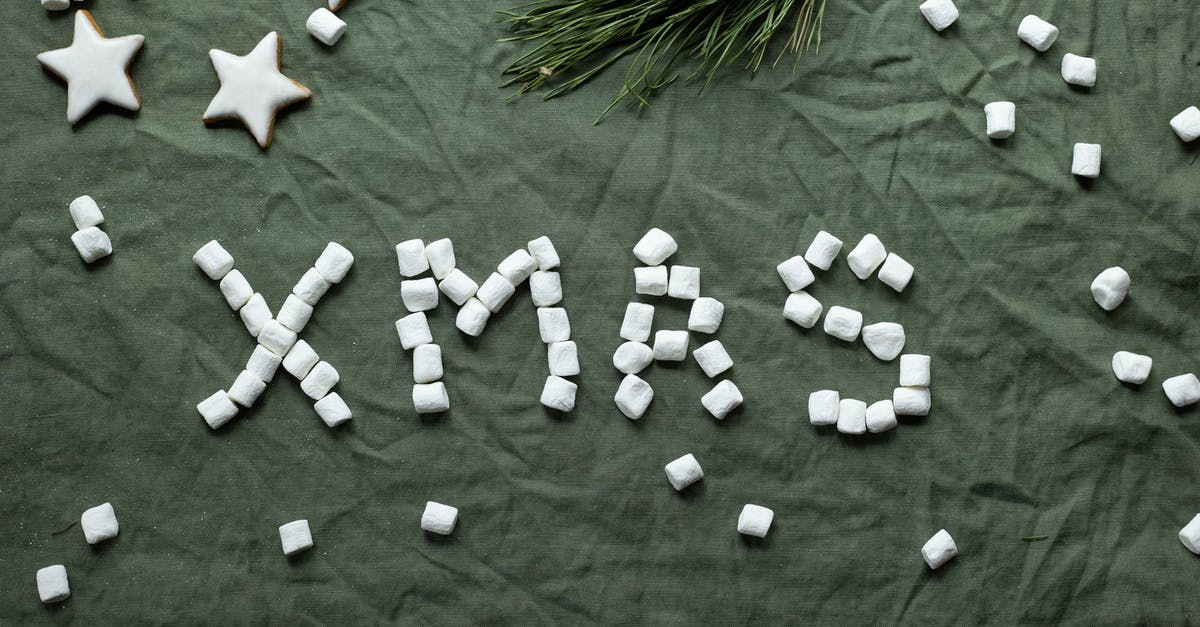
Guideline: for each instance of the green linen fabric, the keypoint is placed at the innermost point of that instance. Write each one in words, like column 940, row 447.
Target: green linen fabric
column 570, row 519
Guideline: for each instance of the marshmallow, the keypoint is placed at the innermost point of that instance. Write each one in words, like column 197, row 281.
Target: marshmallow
column 722, row 399
column 295, row 537
column 1110, row 287
column 802, row 309
column 852, row 416
column 325, row 27
column 1190, row 535
column 410, row 254
column 332, row 410
column 217, row 409
column 92, row 243
column 563, row 358
column 213, row 260
column 706, row 315
column 639, row 318
column 236, row 289
column 336, row 5
column 495, row 291
column 866, row 256
column 632, row 357
column 413, row 330
column 843, row 323
column 1037, row 32
column 440, row 255
column 419, row 294
column 85, row 212
column 553, row 324
column 712, row 357
column 939, row 549
column 558, row 393
column 427, row 363
column 255, row 314
column 633, row 396
column 56, row 5
column 430, row 398
column 914, row 371
column 1086, row 161
column 246, row 388
column 542, row 250
column 654, row 247
column 472, row 317
column 311, row 287
column 517, row 267
column 823, row 407
column 895, row 272
column 1131, row 367
column 795, row 273
column 823, row 250
column 263, row 363
column 457, row 286
column 880, row 416
column 1001, row 119
column 294, row 314
column 670, row 345
column 276, row 338
column 438, row 518
column 650, row 280
column 52, row 580
column 939, row 13
column 317, row 383
column 300, row 360
column 99, row 523
column 545, row 288
column 755, row 520
column 1078, row 70
column 334, row 262
column 1187, row 124
column 885, row 340
column 684, row 471
column 911, row 401
column 1182, row 389
column 684, row 283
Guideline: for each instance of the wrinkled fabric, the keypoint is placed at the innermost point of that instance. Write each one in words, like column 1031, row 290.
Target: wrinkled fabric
column 570, row 519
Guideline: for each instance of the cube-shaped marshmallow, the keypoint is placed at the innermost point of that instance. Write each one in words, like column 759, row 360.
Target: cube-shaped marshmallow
column 311, row 287
column 427, row 363
column 866, row 256
column 795, row 273
column 639, row 318
column 325, row 27
column 542, row 250
column 335, row 261
column 755, row 520
column 1110, row 287
column 495, row 291
column 1001, row 119
column 91, row 243
column 684, row 471
column 1131, row 367
column 440, row 255
column 52, row 584
column 633, row 396
column 1086, row 161
column 99, row 523
column 654, row 247
column 939, row 549
column 332, row 410
column 430, row 398
column 255, row 314
column 706, row 315
column 294, row 314
column 684, row 282
column 413, row 330
column 823, row 407
column 295, row 537
column 1078, row 70
column 472, row 317
column 410, row 255
column 823, row 250
column 419, row 294
column 1037, row 32
column 236, row 289
column 852, row 416
column 650, row 280
column 843, row 323
column 317, row 383
column 911, row 401
column 517, row 267
column 457, row 286
column 632, row 357
column 939, row 13
column 85, row 212
column 545, row 288
column 263, row 363
column 563, row 358
column 1183, row 390
column 670, row 345
column 802, row 309
column 895, row 272
column 1190, row 535
column 1187, row 124
column 217, row 409
column 553, row 324
column 885, row 340
column 558, row 393
column 246, row 388
column 722, row 399
column 914, row 371
column 713, row 358
column 438, row 518
column 213, row 260
column 880, row 416
column 300, row 360
column 276, row 338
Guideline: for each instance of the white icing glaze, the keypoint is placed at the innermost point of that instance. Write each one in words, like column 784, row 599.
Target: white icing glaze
column 252, row 88
column 95, row 68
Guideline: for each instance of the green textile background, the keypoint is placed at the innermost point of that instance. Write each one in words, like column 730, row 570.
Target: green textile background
column 569, row 519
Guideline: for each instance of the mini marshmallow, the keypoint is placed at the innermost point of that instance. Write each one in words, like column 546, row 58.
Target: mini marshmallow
column 336, row 5
column 410, row 254
column 852, row 416
column 1037, row 32
column 795, row 273
column 911, row 401
column 545, row 288
column 1131, row 367
column 495, row 291
column 276, row 338
column 843, row 323
column 670, row 345
column 654, row 247
column 419, row 294
column 472, row 317
column 217, row 409
column 311, row 287
column 939, row 13
column 683, row 472
column 553, row 324
column 722, row 399
column 914, row 370
column 413, row 330
column 639, row 318
column 558, row 393
column 317, row 383
column 632, row 357
column 1078, row 70
column 802, row 309
column 332, row 410
column 542, row 250
column 633, row 396
column 440, row 255
column 1183, row 390
column 236, row 289
column 713, row 358
column 427, row 363
column 335, row 261
column 246, row 388
column 939, row 549
column 263, row 363
column 255, row 314
column 1190, row 535
column 1001, row 119
column 99, row 523
column 880, row 417
column 1187, row 124
column 1110, row 287
column 300, row 360
column 706, row 315
column 866, row 256
column 684, row 282
column 430, row 398
column 56, row 5
column 52, row 580
column 457, row 286
column 823, row 407
column 92, row 243
column 895, row 272
column 294, row 314
column 85, row 212
column 823, row 250
column 325, row 27
column 885, row 340
column 650, row 280
column 563, row 358
column 517, row 267
column 295, row 537
column 1086, row 161
column 438, row 518
column 755, row 520
column 213, row 260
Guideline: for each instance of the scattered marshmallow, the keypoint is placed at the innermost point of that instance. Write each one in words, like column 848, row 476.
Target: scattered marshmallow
column 295, row 537
column 633, row 396
column 311, row 287
column 213, row 260
column 795, row 273
column 336, row 5
column 85, row 212
column 472, row 317
column 255, row 314
column 1078, row 70
column 410, row 254
column 517, row 267
column 1001, row 119
column 632, row 357
column 325, row 27
column 713, row 358
column 558, row 393
column 320, row 380
column 802, row 309
column 1183, row 390
column 843, row 323
column 895, row 272
column 823, row 407
column 99, row 523
column 639, row 318
column 52, row 580
column 866, row 256
column 1131, row 367
column 654, row 247
column 722, row 399
column 276, row 338
column 1187, row 124
column 542, row 250
column 914, row 370
column 427, row 363
column 246, row 388
column 440, row 255
column 755, row 520
column 1086, row 161
column 335, row 261
column 300, row 360
column 413, row 330
column 430, row 398
column 670, row 345
column 1110, row 287
column 545, row 288
column 294, row 314
column 1037, row 32
column 880, row 417
column 263, row 363
column 885, row 340
column 823, row 250
column 236, row 289
column 939, row 13
column 92, row 243
column 852, row 416
column 457, row 286
column 563, row 358
column 217, row 409
column 495, row 291
column 332, row 410
column 1190, row 535
column 939, row 549
column 650, row 280
column 684, row 282
column 911, row 401
column 683, row 472
column 438, row 518
column 706, row 315
column 56, row 5
column 553, row 324
column 419, row 294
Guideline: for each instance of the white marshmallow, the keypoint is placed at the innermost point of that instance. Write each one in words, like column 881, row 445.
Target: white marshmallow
column 1187, row 124
column 563, row 358
column 866, row 256
column 217, row 409
column 802, row 309
column 410, row 255
column 823, row 407
column 1037, row 32
column 639, row 318
column 438, row 518
column 823, row 250
column 311, row 287
column 295, row 537
column 495, row 291
column 914, row 370
column 320, row 380
column 300, row 360
column 1131, row 367
column 650, row 280
column 336, row 5
column 440, row 255
column 558, row 393
column 457, row 286
column 939, row 13
column 427, row 363
column 911, row 401
column 684, row 282
column 670, row 345
column 335, row 261
column 1086, row 161
column 263, row 363
column 545, row 288
column 880, row 417
column 1190, row 535
column 413, row 330
column 852, row 416
column 255, row 314
column 332, row 410
column 236, row 289
column 213, row 260
column 56, row 5
column 755, row 520
column 1078, row 70
column 1110, row 287
column 1001, row 119
column 722, row 399
column 713, row 358
column 895, row 272
column 542, row 250
column 430, row 398
column 633, row 396
column 1182, row 389
column 654, row 247
column 294, row 314
column 325, row 27
column 553, row 324
column 52, row 580
column 472, row 317
column 517, row 267
column 885, row 340
column 99, row 523
column 939, row 549
column 276, row 338
column 246, row 388
column 795, row 273
column 706, row 315
column 684, row 471
column 843, row 323
column 85, row 212
column 92, row 243
column 632, row 357
column 419, row 294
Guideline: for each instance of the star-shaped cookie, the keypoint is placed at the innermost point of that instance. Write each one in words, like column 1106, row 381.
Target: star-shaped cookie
column 95, row 68
column 252, row 88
